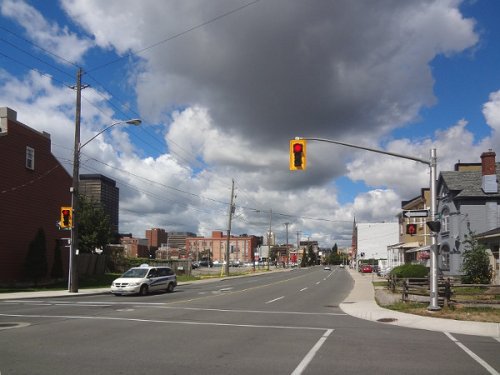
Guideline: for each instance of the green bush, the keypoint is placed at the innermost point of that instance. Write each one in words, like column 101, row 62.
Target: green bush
column 410, row 270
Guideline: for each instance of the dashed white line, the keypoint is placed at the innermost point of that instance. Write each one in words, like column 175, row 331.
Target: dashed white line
column 276, row 299
column 473, row 355
column 303, row 289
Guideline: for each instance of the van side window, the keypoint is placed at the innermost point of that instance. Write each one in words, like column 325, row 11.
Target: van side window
column 153, row 273
column 163, row 272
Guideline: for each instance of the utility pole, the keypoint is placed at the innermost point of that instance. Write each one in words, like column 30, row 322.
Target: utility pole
column 287, row 252
column 269, row 238
column 73, row 265
column 231, row 211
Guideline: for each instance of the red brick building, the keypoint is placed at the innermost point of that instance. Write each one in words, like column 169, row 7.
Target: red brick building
column 240, row 247
column 33, row 187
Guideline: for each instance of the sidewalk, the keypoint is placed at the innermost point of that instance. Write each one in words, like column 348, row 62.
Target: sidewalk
column 361, row 304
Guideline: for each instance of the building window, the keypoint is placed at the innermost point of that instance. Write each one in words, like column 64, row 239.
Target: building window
column 445, row 258
column 445, row 221
column 30, row 158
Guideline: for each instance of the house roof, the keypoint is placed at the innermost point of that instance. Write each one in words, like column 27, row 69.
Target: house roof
column 467, row 184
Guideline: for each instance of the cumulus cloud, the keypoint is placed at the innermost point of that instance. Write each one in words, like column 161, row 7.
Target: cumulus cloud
column 225, row 99
column 59, row 40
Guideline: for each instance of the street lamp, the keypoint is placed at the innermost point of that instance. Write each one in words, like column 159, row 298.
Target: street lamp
column 73, row 270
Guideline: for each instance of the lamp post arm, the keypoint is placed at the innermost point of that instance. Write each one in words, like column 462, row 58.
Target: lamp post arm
column 131, row 122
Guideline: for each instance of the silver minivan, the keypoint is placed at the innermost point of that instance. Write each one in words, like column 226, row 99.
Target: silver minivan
column 145, row 279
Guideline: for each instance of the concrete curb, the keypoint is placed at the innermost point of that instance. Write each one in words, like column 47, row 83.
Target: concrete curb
column 361, row 304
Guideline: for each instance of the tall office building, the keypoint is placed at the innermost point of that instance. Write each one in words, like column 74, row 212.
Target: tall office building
column 102, row 190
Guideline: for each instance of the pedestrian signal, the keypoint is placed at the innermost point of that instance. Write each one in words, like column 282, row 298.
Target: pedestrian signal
column 411, row 229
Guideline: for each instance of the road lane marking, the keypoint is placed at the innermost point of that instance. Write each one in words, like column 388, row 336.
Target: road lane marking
column 309, row 356
column 473, row 355
column 319, row 282
column 303, row 289
column 83, row 317
column 244, row 311
column 276, row 299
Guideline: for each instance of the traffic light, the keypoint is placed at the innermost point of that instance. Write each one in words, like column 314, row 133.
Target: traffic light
column 434, row 226
column 411, row 229
column 297, row 154
column 66, row 218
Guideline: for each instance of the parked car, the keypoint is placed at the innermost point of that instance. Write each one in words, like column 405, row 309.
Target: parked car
column 327, row 268
column 366, row 268
column 145, row 279
column 206, row 263
column 195, row 265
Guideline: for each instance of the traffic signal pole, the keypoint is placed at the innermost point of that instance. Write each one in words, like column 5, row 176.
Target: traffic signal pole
column 432, row 164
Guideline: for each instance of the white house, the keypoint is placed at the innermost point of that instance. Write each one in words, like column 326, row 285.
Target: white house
column 373, row 239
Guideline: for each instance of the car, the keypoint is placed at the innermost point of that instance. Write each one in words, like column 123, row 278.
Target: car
column 342, row 266
column 205, row 263
column 327, row 268
column 366, row 268
column 195, row 265
column 145, row 279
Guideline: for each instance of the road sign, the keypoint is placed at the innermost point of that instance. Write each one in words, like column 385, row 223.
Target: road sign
column 416, row 213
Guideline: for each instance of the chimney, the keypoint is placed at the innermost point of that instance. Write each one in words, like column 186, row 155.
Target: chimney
column 489, row 182
column 6, row 115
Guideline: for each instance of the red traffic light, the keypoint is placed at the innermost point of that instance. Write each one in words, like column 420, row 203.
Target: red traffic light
column 298, row 147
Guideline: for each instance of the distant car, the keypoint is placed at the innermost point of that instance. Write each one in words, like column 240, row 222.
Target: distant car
column 342, row 266
column 195, row 265
column 327, row 268
column 205, row 263
column 366, row 269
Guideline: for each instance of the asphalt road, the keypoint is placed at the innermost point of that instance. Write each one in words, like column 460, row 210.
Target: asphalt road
column 278, row 323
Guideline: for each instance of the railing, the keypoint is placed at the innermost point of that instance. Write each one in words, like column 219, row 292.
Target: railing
column 450, row 291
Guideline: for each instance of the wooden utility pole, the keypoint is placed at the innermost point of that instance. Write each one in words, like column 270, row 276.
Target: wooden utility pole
column 73, row 264
column 231, row 211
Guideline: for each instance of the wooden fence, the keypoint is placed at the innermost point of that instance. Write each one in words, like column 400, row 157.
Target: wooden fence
column 450, row 291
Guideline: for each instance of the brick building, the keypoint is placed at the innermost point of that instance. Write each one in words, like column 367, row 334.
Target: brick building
column 102, row 190
column 33, row 187
column 241, row 247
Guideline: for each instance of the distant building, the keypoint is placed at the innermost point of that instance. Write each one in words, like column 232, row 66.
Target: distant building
column 156, row 237
column 33, row 187
column 374, row 238
column 135, row 247
column 241, row 248
column 178, row 239
column 102, row 190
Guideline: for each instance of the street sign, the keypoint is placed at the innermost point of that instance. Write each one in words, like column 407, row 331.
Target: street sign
column 416, row 213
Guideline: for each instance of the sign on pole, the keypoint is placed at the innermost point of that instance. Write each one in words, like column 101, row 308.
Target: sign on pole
column 416, row 213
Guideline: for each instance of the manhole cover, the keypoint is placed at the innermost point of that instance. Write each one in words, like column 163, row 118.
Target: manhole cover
column 386, row 320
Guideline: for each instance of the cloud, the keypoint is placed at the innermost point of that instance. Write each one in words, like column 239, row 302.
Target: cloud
column 226, row 98
column 50, row 36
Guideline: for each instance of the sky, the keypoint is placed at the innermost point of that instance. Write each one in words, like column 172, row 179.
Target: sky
column 221, row 86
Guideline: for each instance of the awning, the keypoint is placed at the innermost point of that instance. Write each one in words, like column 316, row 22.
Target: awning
column 417, row 249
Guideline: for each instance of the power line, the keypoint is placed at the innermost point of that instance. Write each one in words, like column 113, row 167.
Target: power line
column 175, row 36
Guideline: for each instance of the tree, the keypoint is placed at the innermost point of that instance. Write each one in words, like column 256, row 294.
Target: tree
column 335, row 249
column 94, row 227
column 35, row 265
column 57, row 268
column 476, row 266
